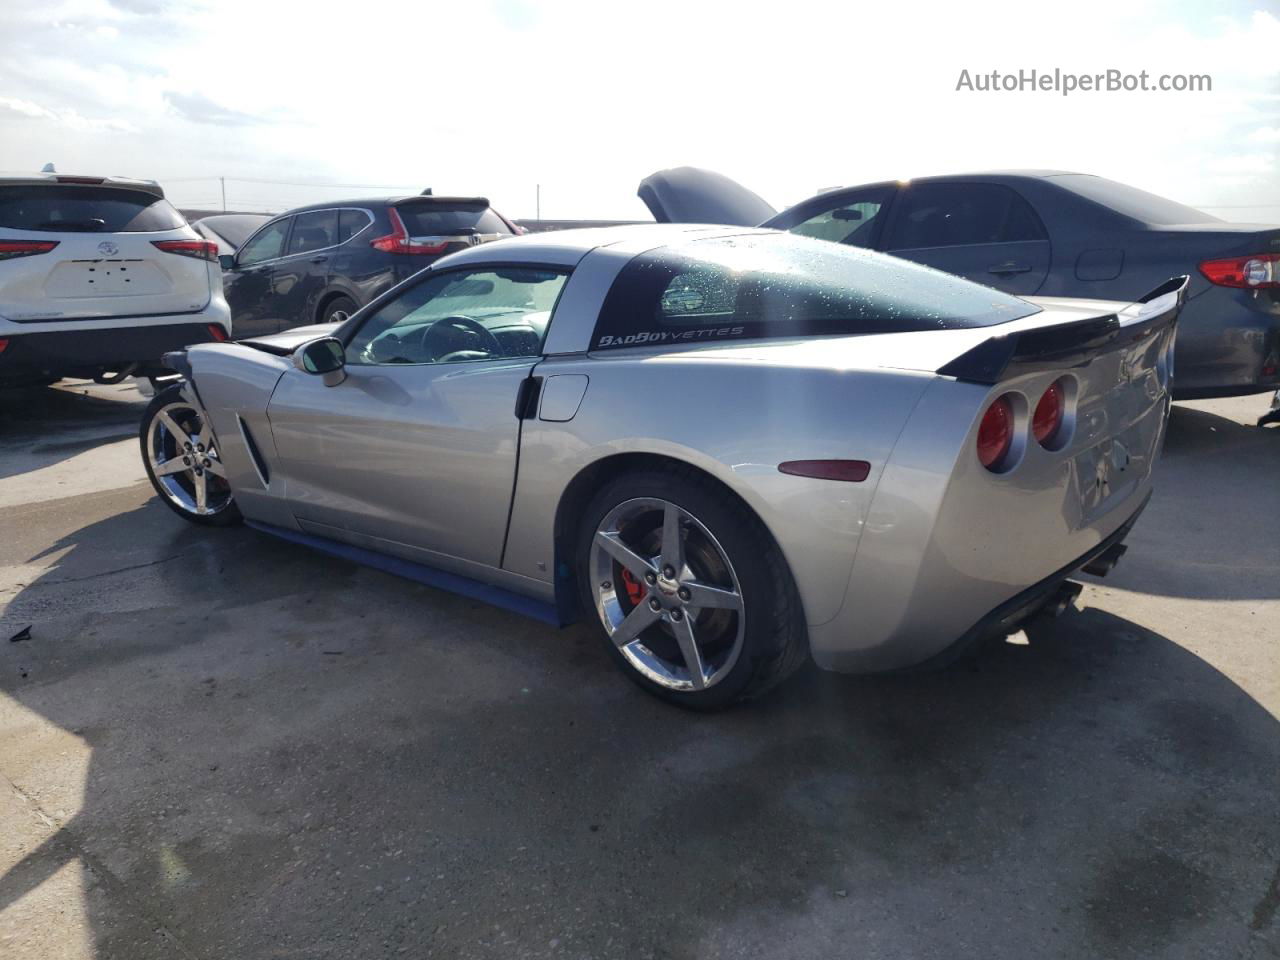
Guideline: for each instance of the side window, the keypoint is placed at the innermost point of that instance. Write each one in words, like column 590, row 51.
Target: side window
column 853, row 221
column 951, row 214
column 490, row 314
column 266, row 244
column 351, row 222
column 313, row 231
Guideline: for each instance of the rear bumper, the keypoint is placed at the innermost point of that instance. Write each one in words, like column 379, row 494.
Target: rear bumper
column 1010, row 615
column 89, row 352
column 949, row 551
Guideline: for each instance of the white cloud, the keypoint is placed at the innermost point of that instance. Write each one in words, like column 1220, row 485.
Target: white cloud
column 1264, row 135
column 68, row 118
column 27, row 108
column 494, row 98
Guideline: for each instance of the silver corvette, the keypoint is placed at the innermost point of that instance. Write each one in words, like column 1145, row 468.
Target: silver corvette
column 732, row 449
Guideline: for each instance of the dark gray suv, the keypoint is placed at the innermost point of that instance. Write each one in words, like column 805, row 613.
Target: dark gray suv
column 321, row 263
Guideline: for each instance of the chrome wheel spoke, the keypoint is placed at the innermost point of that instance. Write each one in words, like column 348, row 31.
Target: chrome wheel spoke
column 170, row 467
column 672, row 546
column 633, row 624
column 683, row 629
column 704, row 595
column 179, row 435
column 612, row 544
column 201, row 483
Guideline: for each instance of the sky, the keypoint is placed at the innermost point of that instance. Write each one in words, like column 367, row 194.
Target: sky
column 585, row 99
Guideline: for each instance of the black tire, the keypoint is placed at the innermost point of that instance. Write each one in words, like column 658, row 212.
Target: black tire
column 344, row 306
column 224, row 517
column 775, row 641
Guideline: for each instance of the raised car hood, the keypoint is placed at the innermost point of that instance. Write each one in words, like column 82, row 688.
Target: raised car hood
column 290, row 340
column 693, row 195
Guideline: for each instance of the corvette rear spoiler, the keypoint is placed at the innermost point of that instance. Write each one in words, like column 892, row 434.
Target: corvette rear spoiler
column 1069, row 344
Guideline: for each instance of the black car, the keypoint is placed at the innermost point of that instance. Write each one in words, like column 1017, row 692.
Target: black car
column 1046, row 233
column 321, row 263
column 229, row 230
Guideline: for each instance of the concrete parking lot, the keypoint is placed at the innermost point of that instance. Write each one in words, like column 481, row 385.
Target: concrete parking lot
column 216, row 745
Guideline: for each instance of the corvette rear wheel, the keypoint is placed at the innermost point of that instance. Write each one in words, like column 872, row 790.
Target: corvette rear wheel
column 694, row 597
column 182, row 460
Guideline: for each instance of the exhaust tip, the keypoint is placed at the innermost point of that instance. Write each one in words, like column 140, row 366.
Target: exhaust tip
column 1103, row 563
column 1063, row 599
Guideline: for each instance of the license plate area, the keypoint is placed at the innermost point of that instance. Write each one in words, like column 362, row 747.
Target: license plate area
column 1109, row 471
column 105, row 278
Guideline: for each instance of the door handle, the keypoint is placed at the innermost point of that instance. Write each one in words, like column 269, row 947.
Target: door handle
column 1009, row 267
column 319, row 259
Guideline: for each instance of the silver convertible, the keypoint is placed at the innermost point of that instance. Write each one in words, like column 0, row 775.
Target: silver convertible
column 732, row 449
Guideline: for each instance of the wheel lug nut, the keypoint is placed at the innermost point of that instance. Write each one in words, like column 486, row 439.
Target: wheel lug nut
column 677, row 616
column 607, row 585
column 669, row 572
column 650, row 578
column 655, row 605
column 200, row 447
column 684, row 594
column 187, row 461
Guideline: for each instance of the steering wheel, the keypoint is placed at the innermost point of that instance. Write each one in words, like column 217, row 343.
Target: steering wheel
column 435, row 339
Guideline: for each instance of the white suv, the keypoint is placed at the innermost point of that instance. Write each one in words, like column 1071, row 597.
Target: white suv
column 99, row 277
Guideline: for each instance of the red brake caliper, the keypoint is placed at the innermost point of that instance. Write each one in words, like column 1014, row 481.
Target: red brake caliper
column 635, row 589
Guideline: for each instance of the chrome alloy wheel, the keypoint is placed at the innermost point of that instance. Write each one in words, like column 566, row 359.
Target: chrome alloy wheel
column 339, row 316
column 184, row 460
column 667, row 594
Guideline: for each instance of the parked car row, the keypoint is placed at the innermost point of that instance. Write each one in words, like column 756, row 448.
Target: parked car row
column 1044, row 233
column 101, row 276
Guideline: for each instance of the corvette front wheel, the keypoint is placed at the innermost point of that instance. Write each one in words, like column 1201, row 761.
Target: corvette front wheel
column 694, row 597
column 182, row 460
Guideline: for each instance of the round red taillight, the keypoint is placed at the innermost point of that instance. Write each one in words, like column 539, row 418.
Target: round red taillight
column 1048, row 416
column 995, row 433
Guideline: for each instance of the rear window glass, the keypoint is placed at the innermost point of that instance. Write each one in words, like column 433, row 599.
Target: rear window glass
column 70, row 209
column 782, row 285
column 430, row 220
column 314, row 231
column 1132, row 202
column 351, row 222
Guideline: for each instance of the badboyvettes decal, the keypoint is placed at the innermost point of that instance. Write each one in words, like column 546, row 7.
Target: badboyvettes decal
column 666, row 336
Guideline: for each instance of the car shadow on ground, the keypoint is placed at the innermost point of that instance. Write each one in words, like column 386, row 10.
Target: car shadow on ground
column 46, row 425
column 292, row 756
column 1212, row 530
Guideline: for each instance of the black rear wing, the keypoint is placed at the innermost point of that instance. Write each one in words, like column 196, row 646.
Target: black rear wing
column 1069, row 344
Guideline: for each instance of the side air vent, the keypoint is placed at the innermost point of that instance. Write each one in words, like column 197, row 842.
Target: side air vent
column 255, row 455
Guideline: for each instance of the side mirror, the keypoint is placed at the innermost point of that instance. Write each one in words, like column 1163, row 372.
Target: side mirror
column 226, row 261
column 325, row 358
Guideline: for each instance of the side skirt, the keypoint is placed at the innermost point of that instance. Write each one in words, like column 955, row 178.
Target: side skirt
column 420, row 573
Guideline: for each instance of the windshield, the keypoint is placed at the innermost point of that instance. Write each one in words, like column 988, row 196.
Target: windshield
column 60, row 208
column 783, row 285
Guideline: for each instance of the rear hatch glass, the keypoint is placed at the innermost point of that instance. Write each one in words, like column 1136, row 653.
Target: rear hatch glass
column 441, row 220
column 60, row 208
column 768, row 285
